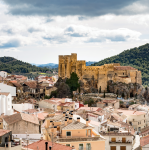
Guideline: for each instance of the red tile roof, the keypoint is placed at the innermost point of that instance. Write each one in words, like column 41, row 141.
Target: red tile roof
column 31, row 84
column 4, row 93
column 144, row 140
column 21, row 116
column 41, row 146
column 3, row 132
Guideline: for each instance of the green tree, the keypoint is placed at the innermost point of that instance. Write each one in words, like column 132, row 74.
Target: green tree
column 104, row 95
column 73, row 82
column 100, row 89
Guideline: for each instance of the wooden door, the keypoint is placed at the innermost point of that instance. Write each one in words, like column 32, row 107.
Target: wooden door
column 113, row 147
column 123, row 140
column 123, row 147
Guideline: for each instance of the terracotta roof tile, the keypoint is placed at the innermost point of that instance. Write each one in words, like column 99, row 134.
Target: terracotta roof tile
column 144, row 140
column 21, row 116
column 3, row 132
column 31, row 84
column 4, row 93
column 41, row 146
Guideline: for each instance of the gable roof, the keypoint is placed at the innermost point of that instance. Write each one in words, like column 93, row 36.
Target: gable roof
column 144, row 140
column 41, row 146
column 21, row 116
column 3, row 132
column 77, row 125
column 31, row 84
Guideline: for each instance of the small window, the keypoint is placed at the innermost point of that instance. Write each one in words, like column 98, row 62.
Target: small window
column 113, row 104
column 67, row 144
column 80, row 146
column 138, row 123
column 0, row 123
column 68, row 133
column 123, row 73
column 144, row 121
column 144, row 116
column 133, row 120
column 88, row 146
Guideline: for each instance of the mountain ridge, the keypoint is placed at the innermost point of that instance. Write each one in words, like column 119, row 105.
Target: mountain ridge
column 137, row 57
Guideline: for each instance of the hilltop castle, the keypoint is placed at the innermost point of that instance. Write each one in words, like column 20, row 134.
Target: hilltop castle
column 101, row 74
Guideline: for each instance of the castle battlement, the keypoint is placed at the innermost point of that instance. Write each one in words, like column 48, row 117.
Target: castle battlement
column 69, row 64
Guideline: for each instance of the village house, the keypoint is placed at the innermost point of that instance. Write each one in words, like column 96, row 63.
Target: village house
column 6, row 141
column 21, row 123
column 3, row 74
column 73, row 131
column 23, row 106
column 8, row 89
column 105, row 103
column 137, row 119
column 58, row 104
column 6, row 104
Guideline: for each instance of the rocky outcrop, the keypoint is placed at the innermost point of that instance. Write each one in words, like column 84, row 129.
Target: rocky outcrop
column 129, row 90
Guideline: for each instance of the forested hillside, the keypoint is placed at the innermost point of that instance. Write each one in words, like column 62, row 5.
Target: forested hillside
column 12, row 65
column 136, row 57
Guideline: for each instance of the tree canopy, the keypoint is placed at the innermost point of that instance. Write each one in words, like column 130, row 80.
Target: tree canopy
column 12, row 65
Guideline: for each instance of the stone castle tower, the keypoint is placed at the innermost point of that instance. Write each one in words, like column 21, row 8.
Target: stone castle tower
column 101, row 74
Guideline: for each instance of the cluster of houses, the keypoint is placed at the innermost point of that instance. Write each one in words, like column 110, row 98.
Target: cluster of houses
column 65, row 124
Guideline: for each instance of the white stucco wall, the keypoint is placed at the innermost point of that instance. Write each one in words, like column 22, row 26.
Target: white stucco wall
column 23, row 106
column 118, row 145
column 8, row 88
column 3, row 74
column 6, row 104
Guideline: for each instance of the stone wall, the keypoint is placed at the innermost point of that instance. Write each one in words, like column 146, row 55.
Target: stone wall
column 101, row 74
column 21, row 127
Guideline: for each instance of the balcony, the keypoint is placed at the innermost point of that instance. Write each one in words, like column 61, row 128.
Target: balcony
column 85, row 148
column 120, row 142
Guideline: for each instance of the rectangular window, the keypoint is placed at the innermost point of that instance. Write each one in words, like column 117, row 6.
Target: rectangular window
column 80, row 146
column 68, row 133
column 67, row 144
column 88, row 146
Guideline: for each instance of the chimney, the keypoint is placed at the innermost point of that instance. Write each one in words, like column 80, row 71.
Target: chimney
column 71, row 115
column 9, row 145
column 72, row 112
column 46, row 145
column 65, row 122
column 55, row 131
column 47, row 124
column 50, row 147
column 64, row 114
column 67, row 110
column 70, row 120
column 78, row 119
column 87, row 122
column 51, row 123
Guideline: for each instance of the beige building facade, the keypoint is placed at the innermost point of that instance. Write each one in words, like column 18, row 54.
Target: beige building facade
column 101, row 74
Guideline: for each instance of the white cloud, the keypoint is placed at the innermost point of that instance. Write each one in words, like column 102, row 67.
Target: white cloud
column 11, row 50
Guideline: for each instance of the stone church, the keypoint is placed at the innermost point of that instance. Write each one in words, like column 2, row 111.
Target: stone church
column 101, row 74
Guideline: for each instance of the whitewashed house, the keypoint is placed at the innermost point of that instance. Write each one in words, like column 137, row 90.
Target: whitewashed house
column 6, row 104
column 8, row 89
column 23, row 106
column 3, row 74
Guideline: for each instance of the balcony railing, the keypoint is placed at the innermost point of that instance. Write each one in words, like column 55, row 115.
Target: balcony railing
column 120, row 142
column 85, row 148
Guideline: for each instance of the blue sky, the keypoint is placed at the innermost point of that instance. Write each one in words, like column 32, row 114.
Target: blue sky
column 38, row 31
